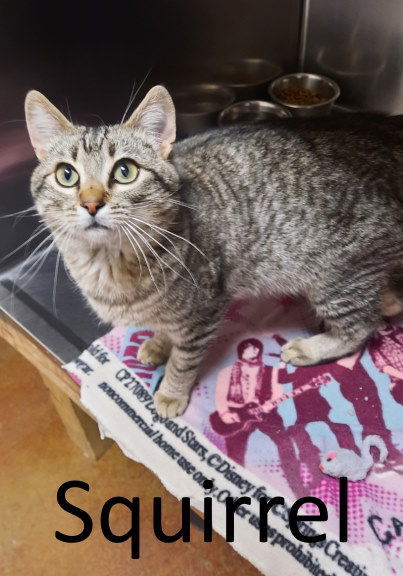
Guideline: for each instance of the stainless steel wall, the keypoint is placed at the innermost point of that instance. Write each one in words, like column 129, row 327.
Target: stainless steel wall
column 211, row 29
column 359, row 43
column 85, row 57
column 91, row 52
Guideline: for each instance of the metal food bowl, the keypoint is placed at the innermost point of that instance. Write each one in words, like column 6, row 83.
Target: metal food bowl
column 252, row 112
column 323, row 89
column 247, row 77
column 198, row 105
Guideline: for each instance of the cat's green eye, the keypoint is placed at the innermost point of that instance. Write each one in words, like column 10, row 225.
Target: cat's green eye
column 66, row 175
column 125, row 172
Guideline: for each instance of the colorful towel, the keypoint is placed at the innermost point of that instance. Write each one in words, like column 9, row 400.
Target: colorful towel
column 308, row 412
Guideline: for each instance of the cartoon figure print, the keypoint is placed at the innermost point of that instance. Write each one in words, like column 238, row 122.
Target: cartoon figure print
column 357, row 387
column 386, row 351
column 243, row 403
column 247, row 398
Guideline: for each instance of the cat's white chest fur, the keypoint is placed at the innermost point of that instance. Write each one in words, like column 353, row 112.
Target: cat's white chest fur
column 109, row 280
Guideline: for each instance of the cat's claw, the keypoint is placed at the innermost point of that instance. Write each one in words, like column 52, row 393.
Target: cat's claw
column 170, row 407
column 298, row 352
column 152, row 353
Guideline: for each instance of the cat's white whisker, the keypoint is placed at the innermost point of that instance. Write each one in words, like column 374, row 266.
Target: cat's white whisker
column 68, row 110
column 39, row 261
column 36, row 253
column 161, row 262
column 55, row 283
column 129, row 103
column 145, row 257
column 173, row 255
column 137, row 230
column 133, row 98
column 99, row 118
column 162, row 234
column 172, row 234
column 181, row 203
column 132, row 239
column 21, row 212
column 37, row 232
column 120, row 238
column 135, row 250
column 32, row 259
column 59, row 253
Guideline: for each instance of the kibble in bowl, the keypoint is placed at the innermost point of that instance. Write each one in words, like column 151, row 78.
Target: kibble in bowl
column 305, row 94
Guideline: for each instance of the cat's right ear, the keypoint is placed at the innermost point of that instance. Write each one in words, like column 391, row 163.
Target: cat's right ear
column 156, row 116
column 44, row 122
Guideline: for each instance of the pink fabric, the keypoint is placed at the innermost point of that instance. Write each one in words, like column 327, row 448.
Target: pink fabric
column 319, row 408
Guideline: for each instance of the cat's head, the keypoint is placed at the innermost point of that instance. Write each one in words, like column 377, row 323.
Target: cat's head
column 94, row 182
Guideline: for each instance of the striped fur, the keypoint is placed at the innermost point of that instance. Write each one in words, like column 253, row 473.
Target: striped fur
column 291, row 207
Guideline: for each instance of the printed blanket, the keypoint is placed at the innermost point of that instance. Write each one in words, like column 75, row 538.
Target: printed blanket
column 257, row 427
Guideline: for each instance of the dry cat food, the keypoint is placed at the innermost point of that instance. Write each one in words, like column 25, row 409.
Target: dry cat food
column 301, row 96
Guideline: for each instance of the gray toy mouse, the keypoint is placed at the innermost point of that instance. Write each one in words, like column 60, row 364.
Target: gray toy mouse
column 347, row 463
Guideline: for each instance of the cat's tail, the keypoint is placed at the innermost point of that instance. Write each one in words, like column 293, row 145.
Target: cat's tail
column 377, row 442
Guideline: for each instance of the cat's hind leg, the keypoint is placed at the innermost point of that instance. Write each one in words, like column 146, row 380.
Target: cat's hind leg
column 392, row 295
column 320, row 348
column 391, row 304
column 351, row 316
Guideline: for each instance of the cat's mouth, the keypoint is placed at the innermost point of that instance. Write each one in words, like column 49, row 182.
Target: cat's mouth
column 96, row 226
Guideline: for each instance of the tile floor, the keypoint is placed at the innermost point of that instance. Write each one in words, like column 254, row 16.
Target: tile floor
column 36, row 457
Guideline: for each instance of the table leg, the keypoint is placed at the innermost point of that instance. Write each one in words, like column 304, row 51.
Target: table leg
column 80, row 427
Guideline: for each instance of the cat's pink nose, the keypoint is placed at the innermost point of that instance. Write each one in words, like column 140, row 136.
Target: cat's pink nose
column 321, row 468
column 93, row 207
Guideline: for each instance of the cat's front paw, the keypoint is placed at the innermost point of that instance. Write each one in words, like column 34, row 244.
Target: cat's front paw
column 153, row 352
column 170, row 407
column 298, row 352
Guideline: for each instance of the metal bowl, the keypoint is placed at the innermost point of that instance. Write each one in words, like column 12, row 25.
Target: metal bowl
column 198, row 105
column 251, row 112
column 321, row 86
column 248, row 77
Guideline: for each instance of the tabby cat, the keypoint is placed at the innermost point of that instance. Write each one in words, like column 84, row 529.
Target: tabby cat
column 165, row 235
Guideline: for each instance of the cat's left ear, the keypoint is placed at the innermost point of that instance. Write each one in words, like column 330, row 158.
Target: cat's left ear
column 44, row 122
column 156, row 116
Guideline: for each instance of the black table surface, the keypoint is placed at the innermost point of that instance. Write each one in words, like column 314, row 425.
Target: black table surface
column 59, row 319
